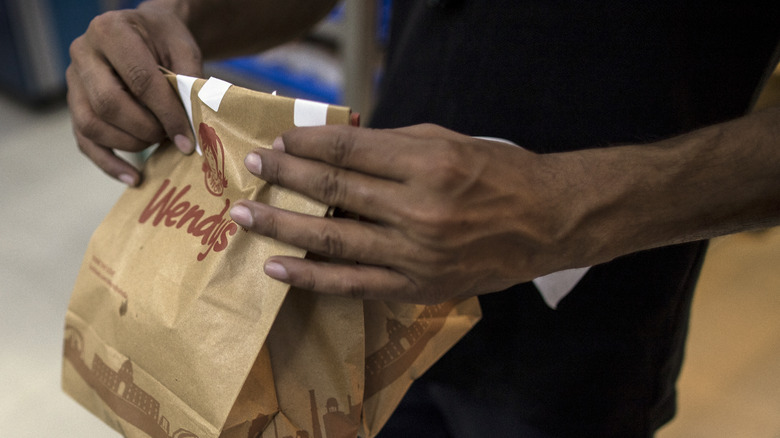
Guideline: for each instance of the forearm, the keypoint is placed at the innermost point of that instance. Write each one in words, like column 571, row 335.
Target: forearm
column 714, row 181
column 225, row 28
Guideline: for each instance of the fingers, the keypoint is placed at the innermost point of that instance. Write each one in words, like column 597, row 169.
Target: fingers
column 383, row 153
column 102, row 97
column 374, row 278
column 179, row 52
column 92, row 134
column 440, row 212
column 324, row 236
column 368, row 196
column 92, row 126
column 138, row 67
column 346, row 280
column 106, row 160
column 118, row 97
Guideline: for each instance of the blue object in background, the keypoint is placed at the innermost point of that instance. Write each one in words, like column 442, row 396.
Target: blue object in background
column 35, row 36
column 276, row 75
column 34, row 39
column 259, row 71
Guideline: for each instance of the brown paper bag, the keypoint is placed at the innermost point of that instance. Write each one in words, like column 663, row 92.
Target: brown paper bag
column 173, row 330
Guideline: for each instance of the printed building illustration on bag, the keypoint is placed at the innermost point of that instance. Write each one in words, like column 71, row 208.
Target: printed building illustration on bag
column 117, row 390
column 406, row 343
column 383, row 367
column 335, row 422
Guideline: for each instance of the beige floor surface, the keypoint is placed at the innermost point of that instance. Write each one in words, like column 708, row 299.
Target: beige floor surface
column 52, row 198
column 730, row 383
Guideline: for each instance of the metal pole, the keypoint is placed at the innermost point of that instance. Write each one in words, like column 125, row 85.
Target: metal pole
column 359, row 54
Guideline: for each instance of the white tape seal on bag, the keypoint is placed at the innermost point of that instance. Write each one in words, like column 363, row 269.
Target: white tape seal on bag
column 308, row 113
column 213, row 91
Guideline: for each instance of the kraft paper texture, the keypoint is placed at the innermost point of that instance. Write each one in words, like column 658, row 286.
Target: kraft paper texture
column 173, row 330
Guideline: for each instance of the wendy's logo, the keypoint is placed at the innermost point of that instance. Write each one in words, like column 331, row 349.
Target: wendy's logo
column 213, row 160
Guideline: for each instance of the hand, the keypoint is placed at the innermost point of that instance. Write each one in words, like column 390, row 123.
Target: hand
column 119, row 100
column 447, row 215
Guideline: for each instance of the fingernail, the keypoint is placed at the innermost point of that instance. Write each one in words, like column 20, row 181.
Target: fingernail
column 278, row 144
column 127, row 179
column 241, row 215
column 254, row 163
column 277, row 271
column 183, row 143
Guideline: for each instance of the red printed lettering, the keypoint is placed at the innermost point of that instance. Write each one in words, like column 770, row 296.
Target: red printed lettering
column 171, row 211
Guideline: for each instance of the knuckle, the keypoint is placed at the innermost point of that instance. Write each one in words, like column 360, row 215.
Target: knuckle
column 89, row 127
column 139, row 80
column 71, row 75
column 104, row 104
column 271, row 171
column 76, row 47
column 330, row 188
column 268, row 226
column 99, row 23
column 431, row 128
column 331, row 242
column 447, row 170
column 342, row 147
column 104, row 23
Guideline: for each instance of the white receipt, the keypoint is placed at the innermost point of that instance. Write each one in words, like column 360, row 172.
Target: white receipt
column 553, row 287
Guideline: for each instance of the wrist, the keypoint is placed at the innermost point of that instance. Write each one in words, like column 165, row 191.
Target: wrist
column 710, row 182
column 636, row 197
column 617, row 200
column 590, row 194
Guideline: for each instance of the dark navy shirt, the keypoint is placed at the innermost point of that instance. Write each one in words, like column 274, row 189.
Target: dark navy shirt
column 564, row 75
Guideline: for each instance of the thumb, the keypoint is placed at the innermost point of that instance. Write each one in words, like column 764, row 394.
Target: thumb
column 185, row 60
